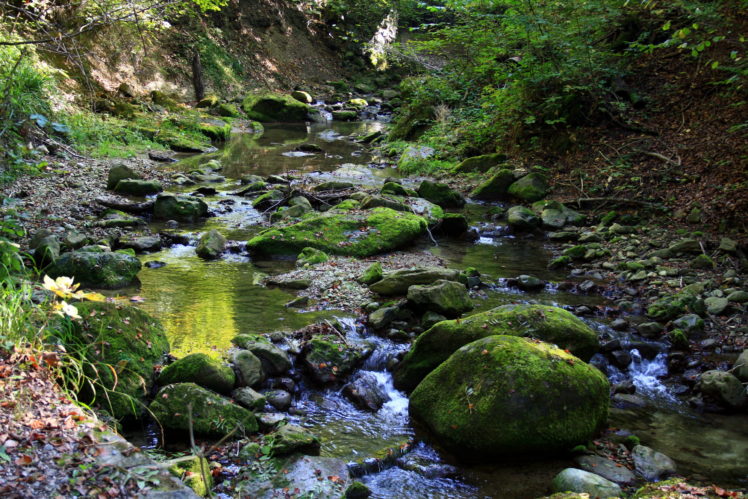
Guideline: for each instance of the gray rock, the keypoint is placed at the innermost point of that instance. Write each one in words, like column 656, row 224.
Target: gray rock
column 520, row 218
column 141, row 243
column 117, row 173
column 728, row 245
column 249, row 398
column 529, row 283
column 584, row 482
column 365, row 391
column 740, row 368
column 274, row 360
column 739, row 296
column 716, row 305
column 724, row 387
column 691, row 324
column 606, row 468
column 448, row 298
column 652, row 465
column 280, row 399
column 211, row 245
column 685, row 246
column 248, row 367
column 136, row 187
column 382, row 317
column 398, row 282
column 46, row 250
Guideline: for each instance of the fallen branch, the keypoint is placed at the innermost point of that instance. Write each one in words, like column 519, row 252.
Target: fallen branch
column 659, row 156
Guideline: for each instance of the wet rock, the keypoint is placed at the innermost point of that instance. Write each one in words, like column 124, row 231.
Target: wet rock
column 528, row 283
column 551, row 324
column 120, row 172
column 652, row 465
column 310, row 257
column 247, row 397
column 325, row 476
column 692, row 325
column 454, row 224
column 140, row 243
column 357, row 490
column 584, row 482
column 440, row 194
column 269, row 108
column 621, row 358
column 365, row 391
column 274, row 360
column 739, row 296
column 619, row 325
column 248, row 367
column 530, row 188
column 394, row 189
column 426, row 467
column 383, row 317
column 135, row 187
column 292, row 438
column 200, row 369
column 271, row 420
column 328, row 360
column 650, row 329
column 723, row 387
column 684, row 246
column 444, row 297
column 280, row 399
column 471, row 401
column 155, row 264
column 398, row 282
column 212, row 414
column 97, row 269
column 159, row 156
column 520, row 218
column 177, row 207
column 211, row 245
column 606, row 468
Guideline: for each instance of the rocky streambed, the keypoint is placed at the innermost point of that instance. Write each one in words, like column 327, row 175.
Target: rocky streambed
column 354, row 332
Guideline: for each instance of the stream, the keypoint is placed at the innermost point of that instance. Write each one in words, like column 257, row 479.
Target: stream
column 204, row 304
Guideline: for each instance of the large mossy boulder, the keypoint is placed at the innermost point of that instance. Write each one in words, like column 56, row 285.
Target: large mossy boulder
column 398, row 281
column 505, row 396
column 200, row 369
column 541, row 322
column 481, row 163
column 212, row 414
column 448, row 298
column 211, row 245
column 359, row 234
column 119, row 172
column 441, row 194
column 530, row 188
column 180, row 208
column 522, row 219
column 269, row 108
column 329, row 360
column 496, row 187
column 121, row 339
column 137, row 187
column 92, row 269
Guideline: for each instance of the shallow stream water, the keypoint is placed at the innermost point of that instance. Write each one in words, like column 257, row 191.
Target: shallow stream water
column 205, row 304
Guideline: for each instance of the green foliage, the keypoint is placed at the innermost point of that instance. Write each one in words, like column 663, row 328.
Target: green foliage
column 107, row 137
column 11, row 262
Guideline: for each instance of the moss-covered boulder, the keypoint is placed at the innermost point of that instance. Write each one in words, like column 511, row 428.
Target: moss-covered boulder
column 398, row 281
column 92, row 269
column 195, row 472
column 212, row 414
column 521, row 219
column 440, row 194
column 530, row 188
column 448, row 298
column 584, row 482
column 504, row 396
column 216, row 130
column 393, row 189
column 275, row 361
column 227, row 110
column 542, row 322
column 344, row 115
column 119, row 172
column 372, row 274
column 292, row 438
column 121, row 339
column 328, row 359
column 301, row 96
column 211, row 245
column 496, row 187
column 268, row 200
column 311, row 256
column 180, row 208
column 481, row 163
column 269, row 108
column 248, row 367
column 137, row 187
column 208, row 101
column 200, row 369
column 359, row 234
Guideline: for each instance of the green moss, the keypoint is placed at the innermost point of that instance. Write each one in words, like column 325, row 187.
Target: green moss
column 631, row 441
column 201, row 369
column 394, row 189
column 195, row 473
column 269, row 108
column 530, row 188
column 480, row 163
column 270, row 198
column 291, row 438
column 211, row 413
column 329, row 359
column 227, row 111
column 361, row 234
column 551, row 324
column 215, row 131
column 440, row 194
column 666, row 489
column 344, row 115
column 576, row 252
column 670, row 307
column 311, row 256
column 372, row 274
column 347, row 205
column 181, row 208
column 119, row 339
column 97, row 270
column 496, row 187
column 702, row 262
column 471, row 402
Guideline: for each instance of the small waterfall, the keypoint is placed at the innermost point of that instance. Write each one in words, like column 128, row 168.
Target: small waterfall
column 646, row 374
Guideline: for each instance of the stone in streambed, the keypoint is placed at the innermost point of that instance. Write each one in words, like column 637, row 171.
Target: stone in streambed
column 652, row 465
column 365, row 391
column 530, row 188
column 550, row 324
column 211, row 245
column 329, row 360
column 136, row 187
column 481, row 163
column 449, row 298
column 723, row 387
column 292, row 438
column 606, row 468
column 212, row 414
column 248, row 367
column 584, row 482
column 398, row 282
column 275, row 361
column 358, row 234
column 201, row 369
column 505, row 396
column 269, row 108
column 247, row 397
column 440, row 194
column 372, row 274
column 180, row 208
column 97, row 269
column 520, row 219
column 120, row 172
column 496, row 187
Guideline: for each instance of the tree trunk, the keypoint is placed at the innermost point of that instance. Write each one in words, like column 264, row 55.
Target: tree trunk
column 197, row 77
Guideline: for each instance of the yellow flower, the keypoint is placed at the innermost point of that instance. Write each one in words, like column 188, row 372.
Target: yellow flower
column 62, row 286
